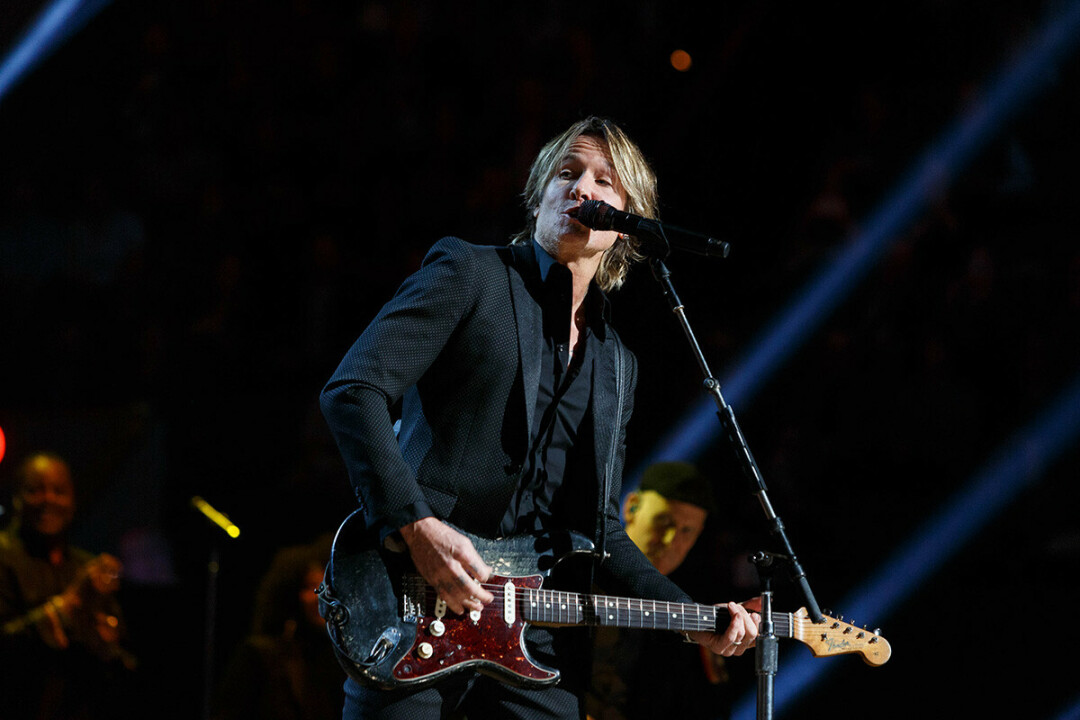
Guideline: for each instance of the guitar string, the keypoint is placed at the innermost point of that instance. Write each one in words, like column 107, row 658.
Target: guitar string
column 661, row 608
column 690, row 619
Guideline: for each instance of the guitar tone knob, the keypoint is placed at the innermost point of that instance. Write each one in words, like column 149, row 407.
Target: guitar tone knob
column 437, row 628
column 474, row 615
column 424, row 650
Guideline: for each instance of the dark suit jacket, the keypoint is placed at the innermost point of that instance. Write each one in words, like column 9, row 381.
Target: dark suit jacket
column 459, row 345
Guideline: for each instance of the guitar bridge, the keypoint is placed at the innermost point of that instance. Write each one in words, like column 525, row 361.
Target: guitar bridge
column 413, row 596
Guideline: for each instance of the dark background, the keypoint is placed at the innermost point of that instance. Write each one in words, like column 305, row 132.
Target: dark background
column 201, row 206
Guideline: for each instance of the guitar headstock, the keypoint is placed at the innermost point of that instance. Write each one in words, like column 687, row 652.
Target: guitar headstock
column 836, row 637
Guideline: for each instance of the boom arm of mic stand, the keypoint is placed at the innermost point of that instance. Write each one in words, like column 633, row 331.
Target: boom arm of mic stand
column 735, row 437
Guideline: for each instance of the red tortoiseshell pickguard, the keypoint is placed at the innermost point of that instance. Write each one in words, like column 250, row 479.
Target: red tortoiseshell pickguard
column 488, row 644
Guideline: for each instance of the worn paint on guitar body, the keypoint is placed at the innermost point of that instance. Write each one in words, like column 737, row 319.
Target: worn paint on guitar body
column 380, row 614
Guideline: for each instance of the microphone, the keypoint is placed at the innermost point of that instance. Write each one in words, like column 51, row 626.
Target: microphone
column 598, row 215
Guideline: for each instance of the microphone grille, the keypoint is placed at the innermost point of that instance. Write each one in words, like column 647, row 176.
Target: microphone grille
column 593, row 214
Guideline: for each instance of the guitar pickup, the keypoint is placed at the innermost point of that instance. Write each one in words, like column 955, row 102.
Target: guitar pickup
column 509, row 614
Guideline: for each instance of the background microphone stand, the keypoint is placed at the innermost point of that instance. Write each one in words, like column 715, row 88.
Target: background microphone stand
column 213, row 568
column 767, row 641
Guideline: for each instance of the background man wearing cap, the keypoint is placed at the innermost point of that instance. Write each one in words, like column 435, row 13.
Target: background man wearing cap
column 648, row 674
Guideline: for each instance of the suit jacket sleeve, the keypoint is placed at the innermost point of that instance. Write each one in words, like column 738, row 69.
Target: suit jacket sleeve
column 391, row 355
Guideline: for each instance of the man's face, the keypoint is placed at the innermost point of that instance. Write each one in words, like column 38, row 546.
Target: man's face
column 585, row 173
column 46, row 499
column 663, row 529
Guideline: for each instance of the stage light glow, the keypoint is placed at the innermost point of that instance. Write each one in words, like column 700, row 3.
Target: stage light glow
column 216, row 516
column 681, row 60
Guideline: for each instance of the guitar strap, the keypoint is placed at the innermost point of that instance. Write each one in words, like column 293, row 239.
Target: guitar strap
column 613, row 449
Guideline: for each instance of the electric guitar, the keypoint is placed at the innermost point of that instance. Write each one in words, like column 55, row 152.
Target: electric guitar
column 389, row 628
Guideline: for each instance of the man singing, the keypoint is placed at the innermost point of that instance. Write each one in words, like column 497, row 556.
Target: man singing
column 515, row 393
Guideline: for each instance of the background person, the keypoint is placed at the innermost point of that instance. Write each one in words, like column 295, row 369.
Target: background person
column 285, row 669
column 60, row 623
column 644, row 673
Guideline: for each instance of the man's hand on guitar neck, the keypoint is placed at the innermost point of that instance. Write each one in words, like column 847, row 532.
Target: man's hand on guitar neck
column 449, row 562
column 740, row 634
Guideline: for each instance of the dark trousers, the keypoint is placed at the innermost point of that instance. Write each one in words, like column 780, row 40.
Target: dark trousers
column 476, row 697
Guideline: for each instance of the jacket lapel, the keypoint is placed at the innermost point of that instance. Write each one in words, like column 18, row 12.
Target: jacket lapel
column 529, row 320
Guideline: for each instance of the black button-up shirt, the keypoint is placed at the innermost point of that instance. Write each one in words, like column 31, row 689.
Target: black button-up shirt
column 562, row 400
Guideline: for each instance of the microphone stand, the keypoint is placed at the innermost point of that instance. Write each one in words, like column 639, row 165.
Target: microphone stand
column 213, row 569
column 766, row 649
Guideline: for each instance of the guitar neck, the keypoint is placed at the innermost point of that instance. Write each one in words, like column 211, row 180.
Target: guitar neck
column 555, row 608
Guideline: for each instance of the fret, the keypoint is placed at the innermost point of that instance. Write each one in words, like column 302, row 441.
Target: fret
column 557, row 607
column 611, row 612
column 783, row 624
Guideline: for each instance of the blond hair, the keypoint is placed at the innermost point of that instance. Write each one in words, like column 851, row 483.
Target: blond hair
column 637, row 179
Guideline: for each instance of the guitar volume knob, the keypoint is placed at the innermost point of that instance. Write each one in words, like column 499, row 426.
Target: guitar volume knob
column 437, row 628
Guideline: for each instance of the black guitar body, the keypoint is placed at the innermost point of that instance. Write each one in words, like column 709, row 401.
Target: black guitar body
column 388, row 629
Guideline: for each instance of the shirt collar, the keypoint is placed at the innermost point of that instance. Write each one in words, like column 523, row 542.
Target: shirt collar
column 544, row 261
column 598, row 307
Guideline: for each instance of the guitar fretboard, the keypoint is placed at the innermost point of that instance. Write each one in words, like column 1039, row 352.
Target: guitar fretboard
column 552, row 607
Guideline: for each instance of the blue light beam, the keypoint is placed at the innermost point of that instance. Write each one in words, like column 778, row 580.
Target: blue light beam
column 1071, row 711
column 57, row 22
